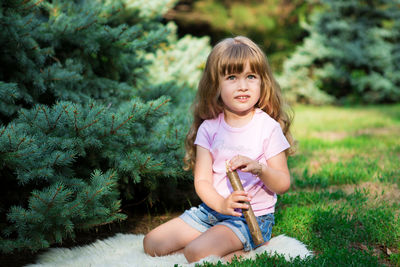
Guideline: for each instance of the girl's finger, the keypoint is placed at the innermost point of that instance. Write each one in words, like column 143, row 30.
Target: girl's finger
column 241, row 199
column 245, row 169
column 240, row 206
column 237, row 214
column 233, row 212
column 239, row 193
column 236, row 162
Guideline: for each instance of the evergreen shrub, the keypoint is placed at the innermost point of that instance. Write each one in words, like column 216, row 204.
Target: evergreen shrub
column 82, row 118
column 352, row 54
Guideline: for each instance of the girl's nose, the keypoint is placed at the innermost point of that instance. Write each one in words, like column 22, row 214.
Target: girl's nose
column 242, row 85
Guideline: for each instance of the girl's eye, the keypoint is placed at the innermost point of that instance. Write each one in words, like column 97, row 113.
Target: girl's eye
column 231, row 77
column 251, row 76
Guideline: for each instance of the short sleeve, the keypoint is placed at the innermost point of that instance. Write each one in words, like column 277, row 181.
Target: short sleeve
column 276, row 143
column 202, row 137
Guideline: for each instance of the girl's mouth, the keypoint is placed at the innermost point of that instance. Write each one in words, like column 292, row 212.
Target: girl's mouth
column 242, row 98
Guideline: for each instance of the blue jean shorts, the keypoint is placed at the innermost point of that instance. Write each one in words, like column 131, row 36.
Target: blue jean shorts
column 203, row 218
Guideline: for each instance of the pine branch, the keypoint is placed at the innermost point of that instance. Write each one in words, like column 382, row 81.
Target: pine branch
column 95, row 194
column 76, row 126
column 24, row 155
column 148, row 111
column 155, row 165
column 28, row 22
column 73, row 207
column 51, row 203
column 66, row 111
column 159, row 106
column 86, row 126
column 119, row 126
column 30, row 121
column 58, row 118
column 9, row 140
column 55, row 161
column 26, row 34
column 65, row 28
column 100, row 111
column 119, row 35
column 112, row 123
column 22, row 140
column 12, row 128
column 142, row 167
column 32, row 6
column 13, row 39
column 41, row 199
column 52, row 200
column 85, row 26
column 90, row 199
column 108, row 15
column 55, row 59
column 162, row 104
column 45, row 114
column 37, row 113
column 134, row 108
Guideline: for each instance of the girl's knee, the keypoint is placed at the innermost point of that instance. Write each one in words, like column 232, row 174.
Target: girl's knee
column 148, row 245
column 152, row 245
column 192, row 253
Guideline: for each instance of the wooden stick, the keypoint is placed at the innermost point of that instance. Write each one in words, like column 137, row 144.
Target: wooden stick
column 248, row 214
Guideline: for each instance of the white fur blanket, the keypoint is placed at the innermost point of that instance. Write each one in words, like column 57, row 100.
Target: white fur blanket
column 127, row 250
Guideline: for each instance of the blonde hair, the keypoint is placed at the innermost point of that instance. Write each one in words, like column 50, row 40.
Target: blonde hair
column 231, row 56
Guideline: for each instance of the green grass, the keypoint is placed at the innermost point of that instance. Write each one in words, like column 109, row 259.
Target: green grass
column 344, row 202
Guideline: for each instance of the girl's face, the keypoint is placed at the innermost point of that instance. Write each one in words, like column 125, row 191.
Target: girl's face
column 240, row 92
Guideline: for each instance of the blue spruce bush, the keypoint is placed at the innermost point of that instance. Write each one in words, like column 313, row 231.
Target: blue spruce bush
column 82, row 117
column 351, row 54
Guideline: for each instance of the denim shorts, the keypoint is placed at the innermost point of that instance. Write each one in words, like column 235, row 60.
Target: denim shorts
column 203, row 218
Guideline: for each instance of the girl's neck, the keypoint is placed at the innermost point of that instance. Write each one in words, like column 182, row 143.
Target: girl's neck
column 238, row 120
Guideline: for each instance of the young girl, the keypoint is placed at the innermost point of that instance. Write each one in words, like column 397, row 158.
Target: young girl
column 238, row 117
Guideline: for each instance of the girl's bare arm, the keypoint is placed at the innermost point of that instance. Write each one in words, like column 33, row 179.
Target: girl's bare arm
column 275, row 176
column 203, row 182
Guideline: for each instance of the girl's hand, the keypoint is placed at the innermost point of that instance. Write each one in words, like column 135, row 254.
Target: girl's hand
column 235, row 201
column 246, row 164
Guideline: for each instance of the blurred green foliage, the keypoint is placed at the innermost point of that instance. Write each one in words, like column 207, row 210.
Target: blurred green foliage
column 352, row 53
column 325, row 51
column 272, row 24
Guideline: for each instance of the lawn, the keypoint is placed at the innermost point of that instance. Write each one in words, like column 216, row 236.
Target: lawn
column 344, row 202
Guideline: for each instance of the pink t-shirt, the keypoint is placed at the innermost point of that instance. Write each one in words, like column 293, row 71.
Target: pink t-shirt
column 261, row 139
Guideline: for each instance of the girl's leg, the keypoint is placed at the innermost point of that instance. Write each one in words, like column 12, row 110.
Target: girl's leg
column 219, row 240
column 237, row 253
column 169, row 237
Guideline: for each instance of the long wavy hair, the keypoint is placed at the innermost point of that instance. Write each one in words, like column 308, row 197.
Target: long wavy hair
column 227, row 57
